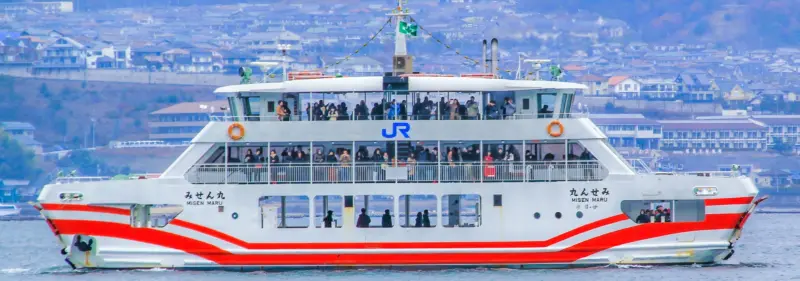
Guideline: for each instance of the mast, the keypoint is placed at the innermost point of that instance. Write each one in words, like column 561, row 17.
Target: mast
column 401, row 61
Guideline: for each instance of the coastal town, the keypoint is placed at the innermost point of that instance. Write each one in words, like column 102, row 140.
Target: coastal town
column 676, row 106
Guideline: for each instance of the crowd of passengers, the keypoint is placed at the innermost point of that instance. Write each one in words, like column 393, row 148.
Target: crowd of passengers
column 660, row 214
column 419, row 153
column 334, row 165
column 423, row 109
column 422, row 219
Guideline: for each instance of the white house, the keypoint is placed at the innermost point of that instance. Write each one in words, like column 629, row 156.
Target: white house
column 624, row 87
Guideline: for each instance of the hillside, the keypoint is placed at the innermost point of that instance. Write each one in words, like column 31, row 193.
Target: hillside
column 745, row 23
column 62, row 111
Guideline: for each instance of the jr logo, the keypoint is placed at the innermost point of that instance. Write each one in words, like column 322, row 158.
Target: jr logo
column 401, row 127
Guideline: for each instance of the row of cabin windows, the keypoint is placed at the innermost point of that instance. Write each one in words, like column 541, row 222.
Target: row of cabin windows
column 409, row 101
column 415, row 211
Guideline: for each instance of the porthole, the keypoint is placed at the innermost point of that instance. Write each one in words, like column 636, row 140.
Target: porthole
column 536, row 215
column 579, row 214
column 558, row 215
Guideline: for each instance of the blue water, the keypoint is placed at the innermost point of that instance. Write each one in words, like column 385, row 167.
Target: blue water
column 767, row 251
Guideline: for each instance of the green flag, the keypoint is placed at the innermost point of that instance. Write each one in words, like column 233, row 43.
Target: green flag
column 405, row 28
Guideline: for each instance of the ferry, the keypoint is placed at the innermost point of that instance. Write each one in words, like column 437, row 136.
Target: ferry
column 426, row 170
column 9, row 210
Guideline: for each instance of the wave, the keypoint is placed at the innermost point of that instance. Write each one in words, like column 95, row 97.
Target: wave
column 11, row 271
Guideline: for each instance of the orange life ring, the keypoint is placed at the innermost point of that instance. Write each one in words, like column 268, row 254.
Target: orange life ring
column 238, row 136
column 554, row 133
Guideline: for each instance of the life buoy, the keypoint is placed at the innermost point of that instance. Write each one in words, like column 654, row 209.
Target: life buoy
column 236, row 136
column 554, row 133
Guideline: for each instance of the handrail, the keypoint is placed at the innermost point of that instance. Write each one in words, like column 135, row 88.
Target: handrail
column 371, row 172
column 419, row 117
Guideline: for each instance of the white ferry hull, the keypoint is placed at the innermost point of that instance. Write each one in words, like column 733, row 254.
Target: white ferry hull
column 203, row 237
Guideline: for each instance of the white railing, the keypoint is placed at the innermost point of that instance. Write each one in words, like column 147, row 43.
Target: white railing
column 263, row 173
column 76, row 179
column 351, row 117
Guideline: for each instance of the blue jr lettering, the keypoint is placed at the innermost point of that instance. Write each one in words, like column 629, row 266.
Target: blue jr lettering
column 401, row 127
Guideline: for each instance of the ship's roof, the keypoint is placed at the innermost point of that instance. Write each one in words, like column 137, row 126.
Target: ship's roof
column 415, row 84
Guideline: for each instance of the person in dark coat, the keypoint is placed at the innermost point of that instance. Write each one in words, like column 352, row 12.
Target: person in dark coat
column 418, row 221
column 426, row 220
column 386, row 220
column 642, row 218
column 328, row 220
column 363, row 219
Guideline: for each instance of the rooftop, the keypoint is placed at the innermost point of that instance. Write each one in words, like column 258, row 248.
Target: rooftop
column 17, row 126
column 193, row 107
column 727, row 124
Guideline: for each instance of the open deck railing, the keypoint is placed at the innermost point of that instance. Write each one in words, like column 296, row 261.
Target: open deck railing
column 326, row 173
column 640, row 167
column 424, row 117
column 77, row 179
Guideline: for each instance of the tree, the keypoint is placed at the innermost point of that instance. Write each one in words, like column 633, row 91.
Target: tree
column 16, row 162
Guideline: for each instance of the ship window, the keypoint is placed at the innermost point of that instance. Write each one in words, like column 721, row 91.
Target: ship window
column 153, row 216
column 216, row 157
column 566, row 104
column 417, row 211
column 647, row 211
column 461, row 210
column 325, row 203
column 547, row 104
column 271, row 106
column 526, row 104
column 284, row 211
column 370, row 211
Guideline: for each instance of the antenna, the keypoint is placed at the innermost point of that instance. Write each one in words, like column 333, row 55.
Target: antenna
column 401, row 62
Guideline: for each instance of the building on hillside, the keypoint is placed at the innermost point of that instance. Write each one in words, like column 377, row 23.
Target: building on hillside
column 12, row 191
column 624, row 87
column 181, row 122
column 23, row 133
column 721, row 134
column 35, row 8
column 598, row 86
column 65, row 54
column 629, row 130
column 658, row 89
column 696, row 88
column 782, row 129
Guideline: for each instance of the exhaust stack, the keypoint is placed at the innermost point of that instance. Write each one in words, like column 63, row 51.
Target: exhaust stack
column 483, row 58
column 494, row 57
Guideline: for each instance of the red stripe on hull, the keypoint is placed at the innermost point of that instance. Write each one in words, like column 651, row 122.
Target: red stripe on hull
column 222, row 257
column 729, row 201
column 388, row 245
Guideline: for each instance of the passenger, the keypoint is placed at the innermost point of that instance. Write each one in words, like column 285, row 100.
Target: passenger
column 667, row 215
column 530, row 157
column 418, row 220
column 345, row 160
column 377, row 156
column 281, row 111
column 362, row 111
column 363, row 219
column 642, row 218
column 492, row 112
column 472, row 109
column 319, row 158
column 544, row 112
column 426, row 221
column 273, row 157
column 549, row 157
column 328, row 220
column 333, row 112
column 509, row 109
column 442, row 109
column 412, row 164
column 331, row 159
column 453, row 110
column 377, row 112
column 403, row 110
column 386, row 220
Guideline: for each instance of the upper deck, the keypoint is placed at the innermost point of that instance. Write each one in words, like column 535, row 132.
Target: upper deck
column 400, row 98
